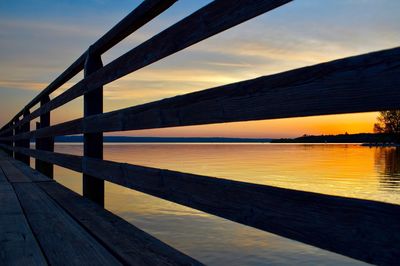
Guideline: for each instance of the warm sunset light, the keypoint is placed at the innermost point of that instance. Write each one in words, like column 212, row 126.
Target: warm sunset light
column 284, row 39
column 285, row 128
column 208, row 132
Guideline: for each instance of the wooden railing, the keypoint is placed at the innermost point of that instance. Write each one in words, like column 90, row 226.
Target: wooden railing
column 361, row 229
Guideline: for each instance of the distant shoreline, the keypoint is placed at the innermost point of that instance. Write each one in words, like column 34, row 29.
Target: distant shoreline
column 369, row 139
column 126, row 139
column 365, row 139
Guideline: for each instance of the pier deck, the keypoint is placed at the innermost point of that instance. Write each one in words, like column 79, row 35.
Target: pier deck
column 43, row 222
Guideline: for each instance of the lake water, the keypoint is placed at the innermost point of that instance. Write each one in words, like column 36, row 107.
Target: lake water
column 337, row 169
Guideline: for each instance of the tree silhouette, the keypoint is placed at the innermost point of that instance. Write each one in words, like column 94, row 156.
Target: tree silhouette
column 389, row 122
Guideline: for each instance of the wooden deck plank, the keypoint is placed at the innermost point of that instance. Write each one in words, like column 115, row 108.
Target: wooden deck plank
column 9, row 202
column 18, row 246
column 12, row 173
column 2, row 177
column 33, row 175
column 63, row 240
column 3, row 155
column 127, row 242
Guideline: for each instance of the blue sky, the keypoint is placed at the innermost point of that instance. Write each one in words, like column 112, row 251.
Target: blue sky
column 39, row 39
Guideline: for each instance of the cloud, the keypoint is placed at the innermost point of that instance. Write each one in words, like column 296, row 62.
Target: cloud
column 31, row 86
column 33, row 51
column 54, row 29
column 22, row 85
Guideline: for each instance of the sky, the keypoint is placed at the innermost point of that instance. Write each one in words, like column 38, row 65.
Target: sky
column 40, row 38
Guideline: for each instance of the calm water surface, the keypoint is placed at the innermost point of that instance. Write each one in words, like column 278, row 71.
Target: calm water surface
column 346, row 170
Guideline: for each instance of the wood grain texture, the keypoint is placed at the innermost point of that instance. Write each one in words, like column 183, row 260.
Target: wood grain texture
column 144, row 13
column 46, row 144
column 362, row 229
column 17, row 143
column 7, row 134
column 2, row 176
column 140, row 16
column 24, row 142
column 34, row 176
column 212, row 19
column 4, row 154
column 92, row 187
column 130, row 244
column 361, row 83
column 63, row 241
column 17, row 243
column 12, row 173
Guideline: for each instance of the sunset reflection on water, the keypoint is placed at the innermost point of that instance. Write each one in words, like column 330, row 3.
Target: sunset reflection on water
column 348, row 170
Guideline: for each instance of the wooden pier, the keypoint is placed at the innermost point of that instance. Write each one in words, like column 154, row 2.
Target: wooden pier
column 42, row 222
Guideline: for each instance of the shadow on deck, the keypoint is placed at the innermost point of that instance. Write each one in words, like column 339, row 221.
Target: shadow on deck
column 42, row 222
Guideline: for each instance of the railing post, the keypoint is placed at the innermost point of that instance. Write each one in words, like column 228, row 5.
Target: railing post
column 13, row 133
column 16, row 142
column 93, row 188
column 8, row 142
column 24, row 143
column 44, row 144
column 1, row 130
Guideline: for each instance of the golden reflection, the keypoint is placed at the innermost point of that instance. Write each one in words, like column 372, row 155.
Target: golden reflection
column 347, row 170
column 387, row 161
column 344, row 170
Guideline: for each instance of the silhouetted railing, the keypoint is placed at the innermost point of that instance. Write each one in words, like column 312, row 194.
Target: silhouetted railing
column 362, row 229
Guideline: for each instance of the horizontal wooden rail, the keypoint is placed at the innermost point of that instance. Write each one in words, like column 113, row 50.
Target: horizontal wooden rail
column 361, row 229
column 212, row 19
column 368, row 82
column 144, row 13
